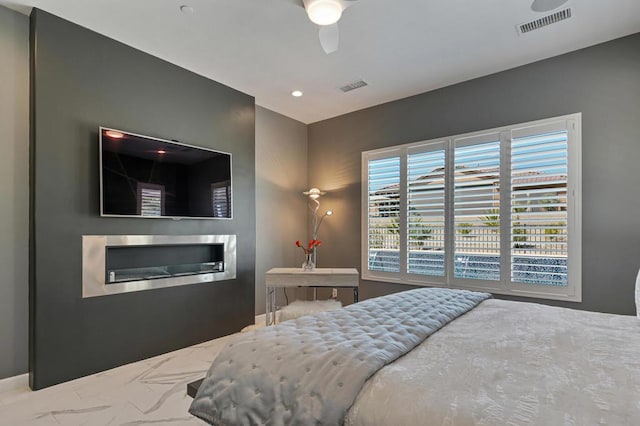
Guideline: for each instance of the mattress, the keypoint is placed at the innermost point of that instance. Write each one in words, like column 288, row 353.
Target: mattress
column 512, row 363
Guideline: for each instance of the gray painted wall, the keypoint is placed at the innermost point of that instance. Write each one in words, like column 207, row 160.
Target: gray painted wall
column 14, row 191
column 82, row 80
column 602, row 82
column 281, row 210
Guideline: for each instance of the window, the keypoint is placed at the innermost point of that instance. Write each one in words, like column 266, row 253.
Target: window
column 426, row 211
column 495, row 210
column 384, row 214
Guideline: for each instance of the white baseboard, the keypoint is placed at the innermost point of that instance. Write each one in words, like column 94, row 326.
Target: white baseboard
column 260, row 319
column 14, row 383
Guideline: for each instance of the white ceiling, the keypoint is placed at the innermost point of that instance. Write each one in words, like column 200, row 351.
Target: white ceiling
column 267, row 48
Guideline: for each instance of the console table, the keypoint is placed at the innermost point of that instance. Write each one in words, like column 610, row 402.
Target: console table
column 297, row 277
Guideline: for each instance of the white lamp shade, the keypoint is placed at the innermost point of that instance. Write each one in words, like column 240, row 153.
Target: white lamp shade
column 314, row 193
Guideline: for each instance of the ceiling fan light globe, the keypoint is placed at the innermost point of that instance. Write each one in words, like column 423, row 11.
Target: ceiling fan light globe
column 324, row 12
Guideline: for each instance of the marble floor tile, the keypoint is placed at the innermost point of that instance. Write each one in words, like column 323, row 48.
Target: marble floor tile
column 148, row 392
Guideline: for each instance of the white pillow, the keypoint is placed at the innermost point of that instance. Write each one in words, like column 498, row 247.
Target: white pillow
column 638, row 295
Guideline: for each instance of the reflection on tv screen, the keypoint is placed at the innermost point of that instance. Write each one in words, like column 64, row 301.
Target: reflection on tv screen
column 148, row 177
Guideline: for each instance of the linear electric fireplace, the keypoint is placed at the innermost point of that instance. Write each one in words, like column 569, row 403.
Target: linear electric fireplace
column 122, row 263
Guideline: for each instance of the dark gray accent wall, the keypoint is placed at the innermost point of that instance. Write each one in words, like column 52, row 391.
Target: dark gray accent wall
column 81, row 80
column 14, row 191
column 602, row 82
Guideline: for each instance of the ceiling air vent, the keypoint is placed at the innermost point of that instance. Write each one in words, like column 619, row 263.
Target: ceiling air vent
column 560, row 15
column 354, row 85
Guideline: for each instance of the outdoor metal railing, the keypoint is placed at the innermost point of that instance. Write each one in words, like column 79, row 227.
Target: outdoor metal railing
column 530, row 240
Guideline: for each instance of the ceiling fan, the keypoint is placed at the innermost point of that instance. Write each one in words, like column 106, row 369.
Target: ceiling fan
column 326, row 14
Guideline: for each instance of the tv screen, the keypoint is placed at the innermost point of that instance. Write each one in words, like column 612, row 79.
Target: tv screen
column 148, row 177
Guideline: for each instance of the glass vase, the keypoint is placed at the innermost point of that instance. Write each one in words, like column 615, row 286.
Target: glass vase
column 308, row 264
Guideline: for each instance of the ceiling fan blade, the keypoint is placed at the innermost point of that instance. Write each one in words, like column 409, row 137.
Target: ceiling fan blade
column 546, row 5
column 346, row 3
column 299, row 3
column 329, row 37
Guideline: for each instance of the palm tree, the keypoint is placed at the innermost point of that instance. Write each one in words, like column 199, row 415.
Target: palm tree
column 418, row 232
column 492, row 219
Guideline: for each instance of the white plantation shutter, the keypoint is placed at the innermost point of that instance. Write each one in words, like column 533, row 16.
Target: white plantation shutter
column 383, row 217
column 476, row 207
column 497, row 210
column 539, row 218
column 426, row 210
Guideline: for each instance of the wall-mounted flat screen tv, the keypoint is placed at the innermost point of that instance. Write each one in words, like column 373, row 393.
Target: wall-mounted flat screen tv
column 147, row 177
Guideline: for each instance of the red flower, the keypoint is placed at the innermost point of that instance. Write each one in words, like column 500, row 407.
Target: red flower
column 312, row 244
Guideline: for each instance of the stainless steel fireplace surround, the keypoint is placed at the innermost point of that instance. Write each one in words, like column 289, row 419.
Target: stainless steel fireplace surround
column 121, row 263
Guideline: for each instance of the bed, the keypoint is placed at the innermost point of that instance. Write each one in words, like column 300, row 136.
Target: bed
column 498, row 362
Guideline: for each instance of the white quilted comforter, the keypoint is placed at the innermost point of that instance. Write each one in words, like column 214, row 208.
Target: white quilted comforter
column 512, row 363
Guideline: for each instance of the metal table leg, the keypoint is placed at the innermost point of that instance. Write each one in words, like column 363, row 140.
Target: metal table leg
column 270, row 309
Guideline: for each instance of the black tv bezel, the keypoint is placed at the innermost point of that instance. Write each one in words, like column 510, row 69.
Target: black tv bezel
column 102, row 214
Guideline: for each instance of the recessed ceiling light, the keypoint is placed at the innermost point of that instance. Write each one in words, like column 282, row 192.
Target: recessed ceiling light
column 296, row 93
column 186, row 9
column 162, row 151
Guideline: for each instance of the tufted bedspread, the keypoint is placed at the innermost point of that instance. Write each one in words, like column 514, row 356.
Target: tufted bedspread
column 309, row 371
column 516, row 364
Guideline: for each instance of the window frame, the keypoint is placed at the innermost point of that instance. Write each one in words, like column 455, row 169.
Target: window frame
column 572, row 123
